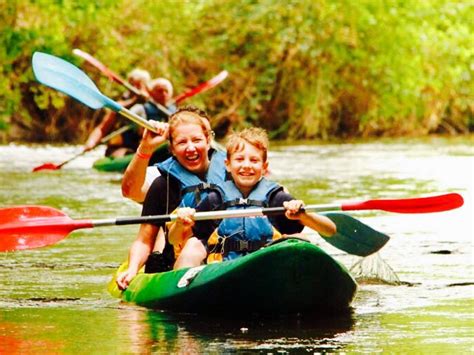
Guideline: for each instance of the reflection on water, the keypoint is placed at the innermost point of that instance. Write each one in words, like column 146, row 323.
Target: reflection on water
column 56, row 297
column 21, row 338
column 445, row 328
column 174, row 333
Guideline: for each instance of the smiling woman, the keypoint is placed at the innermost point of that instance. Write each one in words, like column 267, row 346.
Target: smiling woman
column 196, row 128
column 185, row 178
column 190, row 137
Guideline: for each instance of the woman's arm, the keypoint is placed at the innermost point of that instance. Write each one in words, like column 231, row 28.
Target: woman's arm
column 138, row 254
column 104, row 127
column 134, row 184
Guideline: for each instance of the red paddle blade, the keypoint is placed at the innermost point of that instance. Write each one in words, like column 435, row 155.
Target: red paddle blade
column 27, row 227
column 106, row 71
column 96, row 63
column 202, row 87
column 409, row 205
column 46, row 166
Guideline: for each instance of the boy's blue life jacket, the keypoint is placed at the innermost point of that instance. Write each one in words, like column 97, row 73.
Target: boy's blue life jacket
column 246, row 234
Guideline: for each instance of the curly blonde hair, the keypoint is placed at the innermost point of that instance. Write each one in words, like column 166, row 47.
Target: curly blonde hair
column 190, row 114
column 255, row 136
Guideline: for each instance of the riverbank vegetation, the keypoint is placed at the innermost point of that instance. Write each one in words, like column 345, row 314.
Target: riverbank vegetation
column 302, row 69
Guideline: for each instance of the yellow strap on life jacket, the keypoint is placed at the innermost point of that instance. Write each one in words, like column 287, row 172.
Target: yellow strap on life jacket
column 216, row 256
column 276, row 234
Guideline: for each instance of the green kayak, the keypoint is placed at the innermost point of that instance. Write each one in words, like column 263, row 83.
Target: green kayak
column 119, row 164
column 291, row 276
column 110, row 164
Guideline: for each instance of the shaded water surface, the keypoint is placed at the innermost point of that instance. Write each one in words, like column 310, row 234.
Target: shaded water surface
column 54, row 299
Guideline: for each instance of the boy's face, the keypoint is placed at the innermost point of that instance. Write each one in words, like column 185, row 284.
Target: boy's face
column 246, row 167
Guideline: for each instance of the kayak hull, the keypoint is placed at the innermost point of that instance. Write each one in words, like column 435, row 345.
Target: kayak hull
column 292, row 276
column 110, row 164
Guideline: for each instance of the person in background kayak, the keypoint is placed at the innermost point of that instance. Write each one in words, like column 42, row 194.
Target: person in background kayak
column 138, row 78
column 156, row 93
column 187, row 177
column 247, row 163
column 161, row 92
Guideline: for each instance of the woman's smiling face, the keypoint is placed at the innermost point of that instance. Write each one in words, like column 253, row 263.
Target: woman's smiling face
column 247, row 166
column 190, row 147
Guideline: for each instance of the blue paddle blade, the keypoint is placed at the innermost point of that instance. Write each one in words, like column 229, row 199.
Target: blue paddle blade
column 353, row 236
column 70, row 80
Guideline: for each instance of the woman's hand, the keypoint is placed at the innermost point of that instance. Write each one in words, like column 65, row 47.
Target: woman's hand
column 124, row 279
column 294, row 209
column 151, row 140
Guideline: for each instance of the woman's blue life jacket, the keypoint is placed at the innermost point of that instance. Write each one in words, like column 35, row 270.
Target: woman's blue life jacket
column 240, row 233
column 192, row 188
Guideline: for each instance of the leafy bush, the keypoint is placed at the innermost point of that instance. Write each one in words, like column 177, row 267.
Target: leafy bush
column 301, row 69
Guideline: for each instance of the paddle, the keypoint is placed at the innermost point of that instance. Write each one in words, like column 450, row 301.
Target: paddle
column 213, row 82
column 69, row 79
column 429, row 204
column 52, row 166
column 176, row 100
column 25, row 227
column 115, row 77
column 109, row 73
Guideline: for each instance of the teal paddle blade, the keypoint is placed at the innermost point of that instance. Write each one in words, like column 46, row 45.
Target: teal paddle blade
column 353, row 236
column 70, row 80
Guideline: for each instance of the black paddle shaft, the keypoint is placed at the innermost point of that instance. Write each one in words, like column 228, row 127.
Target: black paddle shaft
column 199, row 216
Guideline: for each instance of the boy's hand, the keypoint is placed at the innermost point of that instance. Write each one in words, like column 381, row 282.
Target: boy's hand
column 293, row 209
column 186, row 216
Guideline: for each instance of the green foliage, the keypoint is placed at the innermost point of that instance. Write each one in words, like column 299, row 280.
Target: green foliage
column 301, row 69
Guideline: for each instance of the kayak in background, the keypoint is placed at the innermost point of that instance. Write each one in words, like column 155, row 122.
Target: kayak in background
column 289, row 276
column 119, row 164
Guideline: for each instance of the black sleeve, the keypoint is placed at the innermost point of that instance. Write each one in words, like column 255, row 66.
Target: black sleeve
column 162, row 197
column 280, row 222
column 203, row 229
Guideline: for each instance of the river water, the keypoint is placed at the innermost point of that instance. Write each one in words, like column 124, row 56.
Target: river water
column 54, row 299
